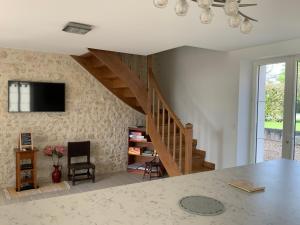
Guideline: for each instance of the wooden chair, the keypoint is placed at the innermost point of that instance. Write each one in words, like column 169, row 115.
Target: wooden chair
column 80, row 149
column 153, row 166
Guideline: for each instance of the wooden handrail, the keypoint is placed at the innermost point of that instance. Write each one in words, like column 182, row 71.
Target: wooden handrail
column 180, row 147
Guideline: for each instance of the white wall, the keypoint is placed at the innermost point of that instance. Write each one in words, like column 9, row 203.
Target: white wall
column 213, row 90
column 244, row 112
column 197, row 85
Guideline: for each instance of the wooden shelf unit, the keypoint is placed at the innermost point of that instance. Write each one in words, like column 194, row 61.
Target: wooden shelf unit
column 139, row 159
column 26, row 176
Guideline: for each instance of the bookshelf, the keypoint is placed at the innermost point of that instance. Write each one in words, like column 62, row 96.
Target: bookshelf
column 140, row 150
column 26, row 175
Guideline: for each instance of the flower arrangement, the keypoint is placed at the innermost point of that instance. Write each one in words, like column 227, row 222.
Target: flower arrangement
column 57, row 152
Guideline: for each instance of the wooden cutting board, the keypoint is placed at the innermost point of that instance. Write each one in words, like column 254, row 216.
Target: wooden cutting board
column 246, row 186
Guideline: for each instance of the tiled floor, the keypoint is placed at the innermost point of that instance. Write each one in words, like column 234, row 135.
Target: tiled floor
column 102, row 181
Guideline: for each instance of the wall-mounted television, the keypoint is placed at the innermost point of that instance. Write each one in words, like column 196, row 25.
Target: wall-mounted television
column 27, row 96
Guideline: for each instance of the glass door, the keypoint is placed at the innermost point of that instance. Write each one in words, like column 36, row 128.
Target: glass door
column 270, row 111
column 277, row 133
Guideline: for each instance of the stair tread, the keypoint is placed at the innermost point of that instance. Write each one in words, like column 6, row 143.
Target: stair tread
column 124, row 92
column 105, row 73
column 198, row 157
column 199, row 152
column 118, row 84
column 202, row 169
column 204, row 166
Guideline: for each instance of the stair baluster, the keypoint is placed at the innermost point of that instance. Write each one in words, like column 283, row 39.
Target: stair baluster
column 181, row 150
column 169, row 130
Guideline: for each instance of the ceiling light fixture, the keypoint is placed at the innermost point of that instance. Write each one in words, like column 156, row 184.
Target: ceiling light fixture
column 206, row 16
column 77, row 28
column 160, row 3
column 181, row 7
column 231, row 9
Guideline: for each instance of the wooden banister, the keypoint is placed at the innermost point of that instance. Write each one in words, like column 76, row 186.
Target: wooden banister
column 177, row 139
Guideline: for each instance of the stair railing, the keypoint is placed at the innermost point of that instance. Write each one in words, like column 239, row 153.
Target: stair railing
column 177, row 137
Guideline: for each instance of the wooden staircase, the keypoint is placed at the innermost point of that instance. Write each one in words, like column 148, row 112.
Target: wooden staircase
column 108, row 68
column 172, row 140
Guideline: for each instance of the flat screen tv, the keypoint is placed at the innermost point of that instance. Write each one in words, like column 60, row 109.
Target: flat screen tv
column 26, row 96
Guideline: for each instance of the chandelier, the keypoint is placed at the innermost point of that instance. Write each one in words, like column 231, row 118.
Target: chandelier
column 231, row 8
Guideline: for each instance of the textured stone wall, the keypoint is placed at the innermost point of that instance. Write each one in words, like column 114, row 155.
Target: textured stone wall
column 92, row 113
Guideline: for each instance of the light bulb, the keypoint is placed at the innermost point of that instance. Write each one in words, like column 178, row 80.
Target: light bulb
column 206, row 16
column 231, row 7
column 234, row 21
column 246, row 26
column 181, row 7
column 160, row 3
column 205, row 4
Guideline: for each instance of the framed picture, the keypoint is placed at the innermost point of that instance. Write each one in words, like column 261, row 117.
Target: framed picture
column 26, row 141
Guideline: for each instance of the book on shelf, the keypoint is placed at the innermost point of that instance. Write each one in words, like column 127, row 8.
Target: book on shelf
column 134, row 151
column 145, row 154
column 137, row 136
column 138, row 140
column 26, row 166
column 136, row 133
column 148, row 152
column 136, row 166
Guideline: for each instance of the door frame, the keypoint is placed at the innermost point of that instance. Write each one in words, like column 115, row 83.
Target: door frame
column 289, row 101
column 296, row 60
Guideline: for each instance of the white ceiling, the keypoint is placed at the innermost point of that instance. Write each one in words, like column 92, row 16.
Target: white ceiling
column 136, row 26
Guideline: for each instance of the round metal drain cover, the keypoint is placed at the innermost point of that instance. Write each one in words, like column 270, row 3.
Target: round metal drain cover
column 202, row 205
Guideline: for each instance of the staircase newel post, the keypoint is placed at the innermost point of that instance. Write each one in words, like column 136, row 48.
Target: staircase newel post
column 188, row 148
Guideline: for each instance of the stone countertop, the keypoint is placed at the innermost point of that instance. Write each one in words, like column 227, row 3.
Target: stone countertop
column 156, row 202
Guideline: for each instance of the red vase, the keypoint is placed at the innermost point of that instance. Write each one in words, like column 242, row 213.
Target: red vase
column 56, row 174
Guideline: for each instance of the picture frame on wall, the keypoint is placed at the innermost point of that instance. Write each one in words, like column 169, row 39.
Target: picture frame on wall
column 25, row 141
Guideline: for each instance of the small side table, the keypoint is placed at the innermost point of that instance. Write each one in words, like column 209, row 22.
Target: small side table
column 26, row 173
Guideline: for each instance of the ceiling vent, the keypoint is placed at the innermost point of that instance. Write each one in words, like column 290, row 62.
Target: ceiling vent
column 77, row 28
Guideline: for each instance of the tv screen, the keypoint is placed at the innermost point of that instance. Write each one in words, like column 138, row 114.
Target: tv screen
column 25, row 96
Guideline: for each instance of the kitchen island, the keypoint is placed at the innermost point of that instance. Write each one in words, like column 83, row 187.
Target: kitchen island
column 156, row 202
